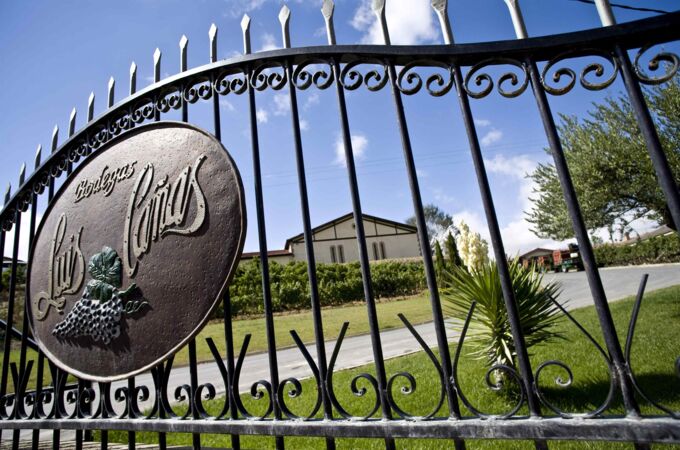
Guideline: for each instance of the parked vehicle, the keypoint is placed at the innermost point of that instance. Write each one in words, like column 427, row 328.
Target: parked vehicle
column 566, row 259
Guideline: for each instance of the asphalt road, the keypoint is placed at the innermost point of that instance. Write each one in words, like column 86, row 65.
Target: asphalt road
column 618, row 283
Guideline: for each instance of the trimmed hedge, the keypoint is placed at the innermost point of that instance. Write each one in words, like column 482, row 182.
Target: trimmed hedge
column 338, row 284
column 659, row 249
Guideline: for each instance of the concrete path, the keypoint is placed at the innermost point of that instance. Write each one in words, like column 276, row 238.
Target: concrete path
column 618, row 283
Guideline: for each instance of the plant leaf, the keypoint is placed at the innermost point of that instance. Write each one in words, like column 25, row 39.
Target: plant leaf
column 100, row 290
column 106, row 267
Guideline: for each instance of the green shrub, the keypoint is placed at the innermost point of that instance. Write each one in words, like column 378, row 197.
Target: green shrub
column 659, row 249
column 338, row 284
column 489, row 330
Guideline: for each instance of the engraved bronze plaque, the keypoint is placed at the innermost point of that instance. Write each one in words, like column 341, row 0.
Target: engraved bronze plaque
column 136, row 251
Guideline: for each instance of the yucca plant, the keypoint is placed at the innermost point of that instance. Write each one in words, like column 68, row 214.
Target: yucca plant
column 489, row 329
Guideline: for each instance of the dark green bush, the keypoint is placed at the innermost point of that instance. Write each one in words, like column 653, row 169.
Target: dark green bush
column 659, row 249
column 338, row 284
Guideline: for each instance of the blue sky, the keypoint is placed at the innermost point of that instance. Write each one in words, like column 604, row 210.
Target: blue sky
column 55, row 53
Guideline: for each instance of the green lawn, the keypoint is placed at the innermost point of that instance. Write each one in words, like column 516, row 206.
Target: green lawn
column 656, row 347
column 416, row 308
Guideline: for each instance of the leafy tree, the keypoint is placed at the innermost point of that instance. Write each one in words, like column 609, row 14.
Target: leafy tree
column 439, row 261
column 454, row 259
column 436, row 219
column 613, row 176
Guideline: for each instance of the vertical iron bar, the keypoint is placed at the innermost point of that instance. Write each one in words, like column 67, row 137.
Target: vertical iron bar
column 10, row 318
column 374, row 328
column 2, row 252
column 573, row 207
column 492, row 222
column 262, row 235
column 229, row 341
column 161, row 367
column 226, row 301
column 322, row 364
column 585, row 247
column 193, row 374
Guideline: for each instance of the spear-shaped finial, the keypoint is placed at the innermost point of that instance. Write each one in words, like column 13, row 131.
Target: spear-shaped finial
column 212, row 34
column 517, row 19
column 379, row 10
column 72, row 122
column 245, row 27
column 8, row 192
column 284, row 18
column 604, row 10
column 157, row 65
column 133, row 78
column 327, row 10
column 38, row 154
column 90, row 107
column 440, row 7
column 111, row 91
column 183, row 53
column 55, row 137
column 22, row 174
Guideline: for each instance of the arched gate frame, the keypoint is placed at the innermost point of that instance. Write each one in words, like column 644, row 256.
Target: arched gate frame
column 463, row 73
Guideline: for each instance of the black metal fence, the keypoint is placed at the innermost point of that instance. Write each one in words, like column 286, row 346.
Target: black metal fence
column 457, row 72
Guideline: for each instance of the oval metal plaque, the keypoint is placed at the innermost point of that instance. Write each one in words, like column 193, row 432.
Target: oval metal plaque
column 136, row 251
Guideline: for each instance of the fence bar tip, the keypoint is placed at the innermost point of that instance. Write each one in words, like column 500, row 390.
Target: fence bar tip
column 72, row 122
column 111, row 91
column 284, row 18
column 55, row 137
column 22, row 174
column 517, row 18
column 90, row 107
column 604, row 10
column 245, row 27
column 133, row 78
column 327, row 10
column 38, row 154
column 212, row 35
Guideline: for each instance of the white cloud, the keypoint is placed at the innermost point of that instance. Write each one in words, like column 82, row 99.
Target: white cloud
column 268, row 43
column 359, row 144
column 226, row 104
column 422, row 173
column 491, row 137
column 236, row 8
column 262, row 116
column 281, row 105
column 442, row 196
column 304, row 125
column 482, row 122
column 311, row 100
column 409, row 22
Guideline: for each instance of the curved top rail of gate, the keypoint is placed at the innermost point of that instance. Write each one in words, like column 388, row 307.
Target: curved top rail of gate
column 229, row 76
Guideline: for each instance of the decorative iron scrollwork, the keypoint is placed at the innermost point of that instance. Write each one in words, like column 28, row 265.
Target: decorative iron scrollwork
column 320, row 76
column 671, row 60
column 486, row 83
column 597, row 69
column 410, row 82
column 374, row 80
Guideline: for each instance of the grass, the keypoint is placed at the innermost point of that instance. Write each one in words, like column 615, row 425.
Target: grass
column 416, row 308
column 656, row 347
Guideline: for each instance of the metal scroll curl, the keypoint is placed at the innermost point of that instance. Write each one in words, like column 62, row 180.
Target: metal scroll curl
column 629, row 346
column 295, row 387
column 410, row 82
column 356, row 389
column 496, row 378
column 565, row 382
column 595, row 70
column 410, row 381
column 374, row 80
column 669, row 60
column 517, row 83
column 270, row 75
column 200, row 89
column 313, row 71
column 230, row 81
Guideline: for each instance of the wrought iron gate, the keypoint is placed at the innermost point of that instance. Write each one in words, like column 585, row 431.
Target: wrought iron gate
column 462, row 73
